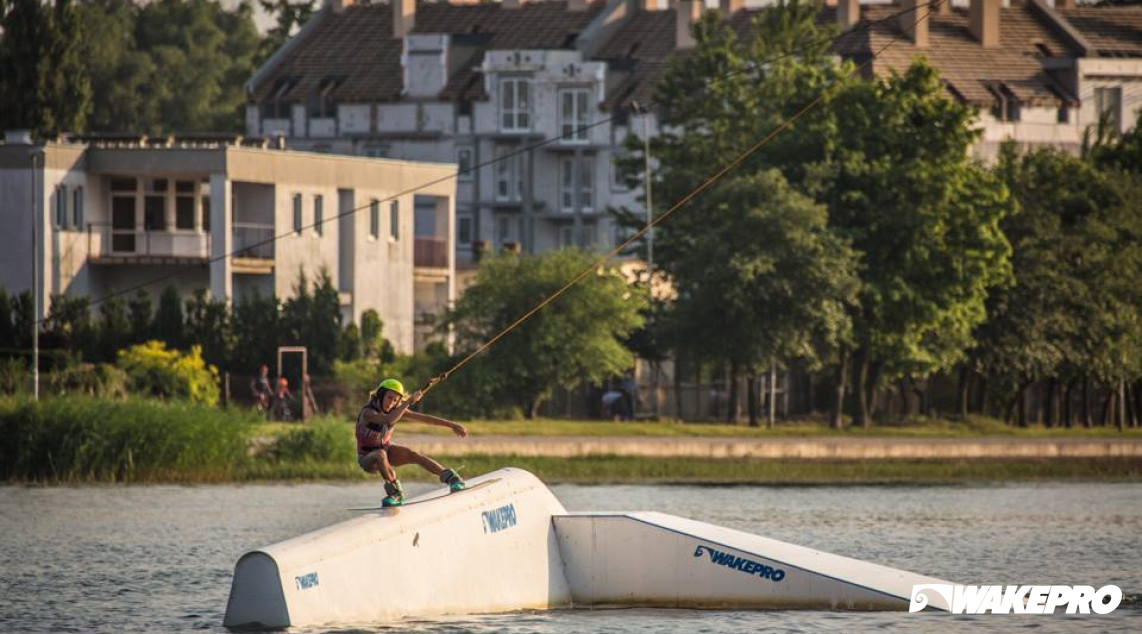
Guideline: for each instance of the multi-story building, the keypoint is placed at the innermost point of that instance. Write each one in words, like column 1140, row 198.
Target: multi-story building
column 113, row 214
column 483, row 83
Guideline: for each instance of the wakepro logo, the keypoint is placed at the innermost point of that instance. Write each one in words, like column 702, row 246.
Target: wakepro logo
column 499, row 519
column 306, row 581
column 1015, row 599
column 747, row 566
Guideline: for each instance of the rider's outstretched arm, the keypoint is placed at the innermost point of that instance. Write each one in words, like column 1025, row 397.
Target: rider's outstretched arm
column 418, row 417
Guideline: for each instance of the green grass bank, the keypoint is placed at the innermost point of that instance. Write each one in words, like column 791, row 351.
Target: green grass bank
column 81, row 440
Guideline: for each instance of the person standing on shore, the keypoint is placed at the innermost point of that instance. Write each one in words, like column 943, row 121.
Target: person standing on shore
column 388, row 404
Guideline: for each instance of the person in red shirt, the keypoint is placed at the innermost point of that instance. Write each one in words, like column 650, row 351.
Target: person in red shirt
column 388, row 404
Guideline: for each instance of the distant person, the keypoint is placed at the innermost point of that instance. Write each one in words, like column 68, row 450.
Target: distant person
column 614, row 405
column 629, row 389
column 388, row 404
column 262, row 392
column 282, row 399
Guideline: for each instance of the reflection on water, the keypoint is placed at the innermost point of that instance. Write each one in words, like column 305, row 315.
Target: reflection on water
column 160, row 558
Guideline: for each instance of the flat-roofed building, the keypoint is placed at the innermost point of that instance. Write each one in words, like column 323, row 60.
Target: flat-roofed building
column 115, row 213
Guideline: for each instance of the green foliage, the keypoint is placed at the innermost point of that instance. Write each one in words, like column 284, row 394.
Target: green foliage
column 349, row 344
column 575, row 341
column 373, row 342
column 79, row 439
column 98, row 380
column 291, row 16
column 313, row 319
column 15, row 376
column 7, row 327
column 168, row 324
column 320, row 440
column 69, row 327
column 140, row 317
column 169, row 374
column 208, row 324
column 44, row 83
column 256, row 325
column 114, row 330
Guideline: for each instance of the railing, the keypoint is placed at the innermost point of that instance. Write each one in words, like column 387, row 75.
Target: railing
column 430, row 252
column 253, row 240
column 114, row 242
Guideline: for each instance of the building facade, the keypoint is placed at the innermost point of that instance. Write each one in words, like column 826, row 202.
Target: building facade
column 113, row 214
column 483, row 84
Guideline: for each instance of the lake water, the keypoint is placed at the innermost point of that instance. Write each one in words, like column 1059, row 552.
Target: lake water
column 160, row 558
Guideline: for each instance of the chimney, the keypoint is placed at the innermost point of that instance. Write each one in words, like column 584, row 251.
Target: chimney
column 686, row 13
column 578, row 5
column 983, row 21
column 914, row 21
column 848, row 13
column 339, row 6
column 945, row 8
column 730, row 7
column 404, row 17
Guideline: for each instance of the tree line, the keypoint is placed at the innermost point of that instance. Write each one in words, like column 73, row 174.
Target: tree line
column 865, row 245
column 123, row 66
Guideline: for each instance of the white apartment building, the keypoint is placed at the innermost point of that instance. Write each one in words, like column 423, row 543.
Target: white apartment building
column 474, row 82
column 113, row 213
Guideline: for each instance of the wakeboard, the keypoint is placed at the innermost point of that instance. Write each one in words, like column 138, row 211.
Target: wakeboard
column 438, row 496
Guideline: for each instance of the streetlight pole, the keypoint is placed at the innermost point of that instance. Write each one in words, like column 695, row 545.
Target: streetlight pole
column 35, row 284
column 649, row 249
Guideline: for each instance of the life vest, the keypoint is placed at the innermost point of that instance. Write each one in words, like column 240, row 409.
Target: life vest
column 369, row 438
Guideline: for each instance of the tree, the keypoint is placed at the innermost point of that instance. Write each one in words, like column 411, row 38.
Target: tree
column 291, row 16
column 68, row 327
column 313, row 319
column 168, row 324
column 349, row 344
column 64, row 86
column 208, row 325
column 24, row 27
column 781, row 288
column 114, row 329
column 7, row 328
column 139, row 317
column 923, row 217
column 577, row 341
column 373, row 342
column 121, row 74
column 257, row 328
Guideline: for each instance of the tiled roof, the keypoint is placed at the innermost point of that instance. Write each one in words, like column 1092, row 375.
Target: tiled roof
column 968, row 68
column 357, row 45
column 639, row 50
column 1113, row 31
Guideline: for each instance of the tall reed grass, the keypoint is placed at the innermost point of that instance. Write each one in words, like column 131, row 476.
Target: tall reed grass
column 77, row 439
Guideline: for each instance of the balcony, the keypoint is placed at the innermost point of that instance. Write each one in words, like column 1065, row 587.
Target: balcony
column 253, row 247
column 109, row 245
column 430, row 252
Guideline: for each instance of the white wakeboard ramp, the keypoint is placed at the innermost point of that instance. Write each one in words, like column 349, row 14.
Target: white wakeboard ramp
column 510, row 545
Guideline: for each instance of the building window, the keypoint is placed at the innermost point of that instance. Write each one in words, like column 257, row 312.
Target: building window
column 61, row 206
column 509, row 173
column 464, row 163
column 464, row 229
column 505, row 229
column 1108, row 105
column 321, row 103
column 374, row 219
column 515, row 104
column 1063, row 114
column 318, row 213
column 77, row 208
column 394, row 220
column 206, row 213
column 1006, row 106
column 297, row 213
column 586, row 185
column 184, row 205
column 574, row 114
column 566, row 236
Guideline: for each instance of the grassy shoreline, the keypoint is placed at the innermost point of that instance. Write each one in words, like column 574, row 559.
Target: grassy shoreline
column 83, row 440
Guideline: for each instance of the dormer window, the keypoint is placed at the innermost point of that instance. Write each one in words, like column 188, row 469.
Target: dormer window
column 515, row 104
column 1006, row 107
column 275, row 107
column 321, row 102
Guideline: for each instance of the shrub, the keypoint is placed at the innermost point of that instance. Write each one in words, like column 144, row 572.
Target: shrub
column 14, row 376
column 85, row 439
column 170, row 374
column 89, row 379
column 320, row 441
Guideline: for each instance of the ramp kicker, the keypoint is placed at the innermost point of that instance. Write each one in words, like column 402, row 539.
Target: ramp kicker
column 508, row 544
